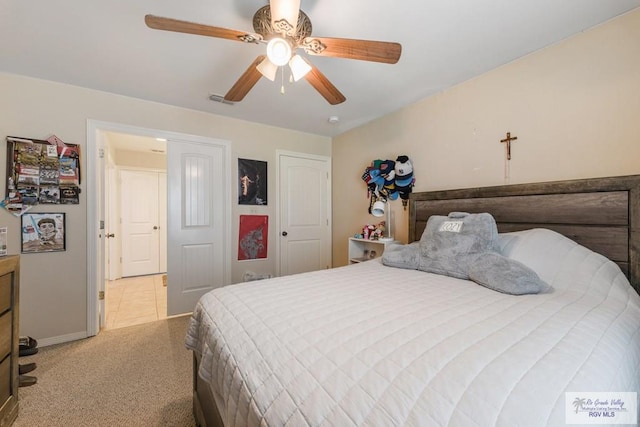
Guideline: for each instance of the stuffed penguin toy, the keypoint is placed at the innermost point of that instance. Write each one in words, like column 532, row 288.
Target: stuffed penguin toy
column 404, row 178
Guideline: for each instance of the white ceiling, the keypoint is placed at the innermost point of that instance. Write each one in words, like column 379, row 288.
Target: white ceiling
column 105, row 45
column 124, row 142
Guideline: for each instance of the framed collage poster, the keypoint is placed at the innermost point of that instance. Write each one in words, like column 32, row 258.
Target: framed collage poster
column 43, row 232
column 252, row 182
column 41, row 172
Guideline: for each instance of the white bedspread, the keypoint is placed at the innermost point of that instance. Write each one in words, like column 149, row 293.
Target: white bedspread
column 380, row 346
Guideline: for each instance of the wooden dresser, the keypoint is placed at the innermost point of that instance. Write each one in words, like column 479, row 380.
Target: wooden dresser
column 9, row 350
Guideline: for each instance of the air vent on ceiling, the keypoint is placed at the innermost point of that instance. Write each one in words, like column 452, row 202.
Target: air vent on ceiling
column 220, row 98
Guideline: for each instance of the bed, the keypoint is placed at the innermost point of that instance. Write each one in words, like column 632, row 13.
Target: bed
column 369, row 344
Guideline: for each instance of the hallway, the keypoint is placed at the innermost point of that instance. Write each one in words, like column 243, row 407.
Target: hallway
column 135, row 300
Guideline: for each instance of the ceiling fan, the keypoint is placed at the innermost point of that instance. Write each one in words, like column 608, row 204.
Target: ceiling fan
column 285, row 28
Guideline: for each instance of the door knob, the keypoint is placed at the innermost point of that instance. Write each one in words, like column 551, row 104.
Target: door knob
column 284, row 233
column 155, row 227
column 110, row 235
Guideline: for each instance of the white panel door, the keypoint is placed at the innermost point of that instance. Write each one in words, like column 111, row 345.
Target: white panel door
column 140, row 227
column 305, row 233
column 197, row 256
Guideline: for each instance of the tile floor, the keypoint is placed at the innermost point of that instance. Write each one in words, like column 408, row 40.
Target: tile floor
column 135, row 300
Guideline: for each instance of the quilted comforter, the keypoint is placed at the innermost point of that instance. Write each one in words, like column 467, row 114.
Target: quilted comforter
column 373, row 345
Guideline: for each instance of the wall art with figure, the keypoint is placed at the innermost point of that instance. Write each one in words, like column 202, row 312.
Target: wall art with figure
column 252, row 182
column 253, row 238
column 43, row 232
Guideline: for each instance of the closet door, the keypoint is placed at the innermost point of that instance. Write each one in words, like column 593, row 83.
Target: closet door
column 198, row 205
column 305, row 210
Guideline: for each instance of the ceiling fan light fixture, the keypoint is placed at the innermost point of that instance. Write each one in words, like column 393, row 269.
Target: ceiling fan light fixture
column 268, row 69
column 284, row 16
column 299, row 67
column 279, row 51
column 286, row 28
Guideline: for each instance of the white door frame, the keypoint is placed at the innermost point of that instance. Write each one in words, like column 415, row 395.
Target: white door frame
column 95, row 143
column 279, row 154
column 112, row 225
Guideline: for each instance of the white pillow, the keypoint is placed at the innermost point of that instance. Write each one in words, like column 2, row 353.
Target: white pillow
column 563, row 263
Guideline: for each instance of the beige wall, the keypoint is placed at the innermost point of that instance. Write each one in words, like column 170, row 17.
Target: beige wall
column 574, row 106
column 53, row 300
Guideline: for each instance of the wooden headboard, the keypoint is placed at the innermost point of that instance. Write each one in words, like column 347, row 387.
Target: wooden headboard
column 602, row 214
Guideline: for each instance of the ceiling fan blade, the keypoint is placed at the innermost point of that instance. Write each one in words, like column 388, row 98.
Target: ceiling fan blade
column 365, row 50
column 324, row 86
column 284, row 15
column 169, row 24
column 246, row 81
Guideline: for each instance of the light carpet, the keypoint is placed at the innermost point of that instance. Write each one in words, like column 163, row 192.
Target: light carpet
column 135, row 376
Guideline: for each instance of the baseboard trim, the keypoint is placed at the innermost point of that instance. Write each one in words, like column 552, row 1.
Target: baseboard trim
column 45, row 342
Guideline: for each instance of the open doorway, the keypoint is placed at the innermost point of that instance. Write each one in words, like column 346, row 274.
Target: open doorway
column 135, row 261
column 198, row 246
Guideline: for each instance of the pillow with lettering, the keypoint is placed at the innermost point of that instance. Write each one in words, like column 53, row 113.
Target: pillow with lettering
column 450, row 243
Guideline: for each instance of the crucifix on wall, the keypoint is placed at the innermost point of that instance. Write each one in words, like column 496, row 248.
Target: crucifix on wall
column 508, row 140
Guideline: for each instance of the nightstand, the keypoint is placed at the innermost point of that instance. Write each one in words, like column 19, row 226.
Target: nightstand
column 363, row 249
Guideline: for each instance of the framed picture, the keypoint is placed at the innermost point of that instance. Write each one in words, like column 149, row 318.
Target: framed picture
column 43, row 232
column 253, row 238
column 252, row 182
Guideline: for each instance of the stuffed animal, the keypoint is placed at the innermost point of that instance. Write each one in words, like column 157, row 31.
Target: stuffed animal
column 367, row 231
column 378, row 233
column 404, row 178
